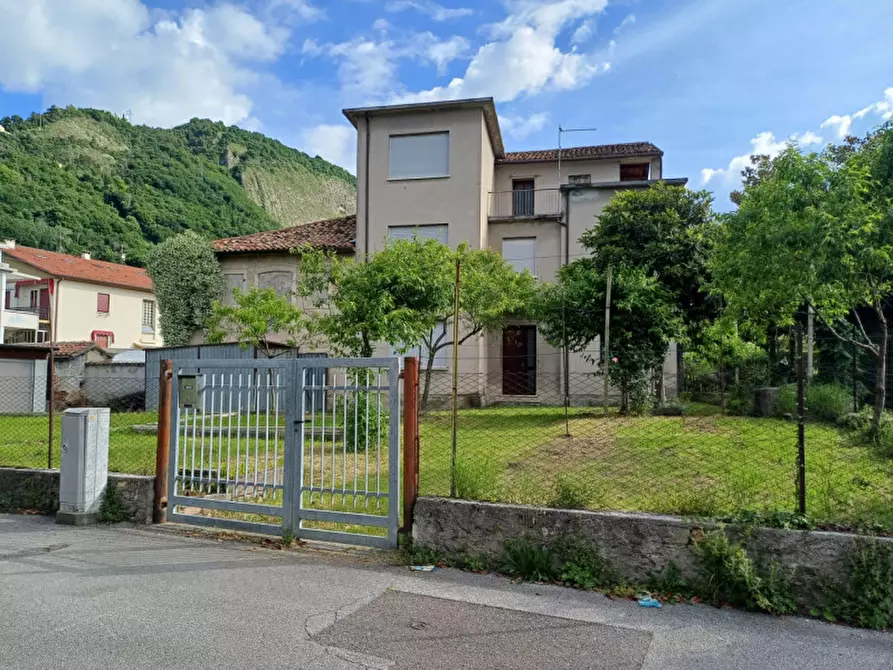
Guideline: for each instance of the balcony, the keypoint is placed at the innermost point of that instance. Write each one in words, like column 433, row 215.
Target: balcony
column 42, row 313
column 541, row 203
column 21, row 318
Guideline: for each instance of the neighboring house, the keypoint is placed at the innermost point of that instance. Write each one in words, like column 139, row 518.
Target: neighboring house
column 75, row 298
column 440, row 170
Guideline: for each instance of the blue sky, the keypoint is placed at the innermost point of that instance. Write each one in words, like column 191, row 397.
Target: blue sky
column 709, row 81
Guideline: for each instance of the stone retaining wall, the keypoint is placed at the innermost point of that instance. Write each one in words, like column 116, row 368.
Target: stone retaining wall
column 31, row 489
column 637, row 545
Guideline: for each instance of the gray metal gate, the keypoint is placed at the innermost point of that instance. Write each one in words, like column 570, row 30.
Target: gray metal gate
column 274, row 446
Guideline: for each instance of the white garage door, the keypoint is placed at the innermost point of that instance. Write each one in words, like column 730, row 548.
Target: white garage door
column 17, row 386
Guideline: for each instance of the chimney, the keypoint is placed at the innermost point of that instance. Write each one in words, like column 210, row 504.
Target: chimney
column 86, row 255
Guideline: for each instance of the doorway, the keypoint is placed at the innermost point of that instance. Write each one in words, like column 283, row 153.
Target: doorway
column 519, row 360
column 522, row 197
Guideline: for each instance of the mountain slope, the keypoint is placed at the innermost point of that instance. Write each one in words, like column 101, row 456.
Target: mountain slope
column 79, row 180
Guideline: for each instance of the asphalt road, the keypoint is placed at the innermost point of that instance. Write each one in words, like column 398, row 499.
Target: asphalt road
column 127, row 598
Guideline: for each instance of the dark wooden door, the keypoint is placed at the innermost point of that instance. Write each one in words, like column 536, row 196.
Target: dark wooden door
column 519, row 360
column 522, row 197
column 44, row 307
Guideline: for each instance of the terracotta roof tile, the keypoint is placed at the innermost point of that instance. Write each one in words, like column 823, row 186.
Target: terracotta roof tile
column 75, row 267
column 627, row 150
column 71, row 349
column 332, row 234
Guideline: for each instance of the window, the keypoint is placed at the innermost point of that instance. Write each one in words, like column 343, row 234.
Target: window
column 520, row 252
column 148, row 316
column 522, row 197
column 419, row 156
column 634, row 171
column 102, row 303
column 439, row 232
column 438, row 335
column 231, row 282
column 33, row 298
column 279, row 280
column 579, row 179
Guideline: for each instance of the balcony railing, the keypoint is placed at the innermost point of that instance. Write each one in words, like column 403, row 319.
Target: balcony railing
column 526, row 204
column 42, row 313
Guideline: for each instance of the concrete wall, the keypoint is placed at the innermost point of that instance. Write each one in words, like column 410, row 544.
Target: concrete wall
column 110, row 383
column 637, row 545
column 27, row 489
column 78, row 318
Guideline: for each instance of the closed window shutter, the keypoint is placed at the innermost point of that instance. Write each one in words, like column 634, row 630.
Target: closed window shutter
column 102, row 303
column 439, row 232
column 419, row 156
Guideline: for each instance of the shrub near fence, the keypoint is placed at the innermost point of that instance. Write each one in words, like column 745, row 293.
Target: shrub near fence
column 687, row 458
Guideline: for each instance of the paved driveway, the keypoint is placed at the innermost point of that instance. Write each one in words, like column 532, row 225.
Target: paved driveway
column 126, row 598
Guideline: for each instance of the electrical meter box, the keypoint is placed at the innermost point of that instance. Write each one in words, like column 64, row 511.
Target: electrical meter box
column 83, row 475
column 189, row 390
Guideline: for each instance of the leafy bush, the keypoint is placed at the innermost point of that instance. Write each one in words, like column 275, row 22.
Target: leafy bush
column 824, row 402
column 728, row 575
column 570, row 493
column 528, row 560
column 866, row 598
column 582, row 565
column 828, row 402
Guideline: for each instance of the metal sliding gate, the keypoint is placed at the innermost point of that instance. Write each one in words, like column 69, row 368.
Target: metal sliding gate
column 308, row 446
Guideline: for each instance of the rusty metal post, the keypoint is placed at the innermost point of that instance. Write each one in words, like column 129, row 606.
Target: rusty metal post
column 163, row 445
column 801, row 421
column 51, row 402
column 410, row 440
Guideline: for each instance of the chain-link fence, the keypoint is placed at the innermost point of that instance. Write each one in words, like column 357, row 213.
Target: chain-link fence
column 31, row 435
column 722, row 440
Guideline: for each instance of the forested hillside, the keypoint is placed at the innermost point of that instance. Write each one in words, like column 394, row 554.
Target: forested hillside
column 77, row 180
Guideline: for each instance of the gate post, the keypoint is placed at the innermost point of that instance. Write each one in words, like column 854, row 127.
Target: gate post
column 410, row 440
column 163, row 444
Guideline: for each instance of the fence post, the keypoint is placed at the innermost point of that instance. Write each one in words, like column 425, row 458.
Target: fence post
column 410, row 440
column 163, row 444
column 801, row 422
column 51, row 401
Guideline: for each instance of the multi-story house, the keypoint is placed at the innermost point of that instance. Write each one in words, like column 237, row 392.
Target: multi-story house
column 54, row 297
column 440, row 170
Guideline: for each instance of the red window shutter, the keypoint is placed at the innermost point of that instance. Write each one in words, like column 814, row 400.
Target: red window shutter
column 102, row 303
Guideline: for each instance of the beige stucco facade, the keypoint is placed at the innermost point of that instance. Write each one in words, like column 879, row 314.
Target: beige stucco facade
column 77, row 318
column 474, row 201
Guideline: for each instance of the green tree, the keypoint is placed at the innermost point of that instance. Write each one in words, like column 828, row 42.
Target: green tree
column 490, row 292
column 187, row 281
column 667, row 232
column 817, row 230
column 260, row 318
column 644, row 320
column 394, row 297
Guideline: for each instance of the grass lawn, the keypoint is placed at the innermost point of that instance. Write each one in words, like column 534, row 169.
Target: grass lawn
column 701, row 464
column 24, row 442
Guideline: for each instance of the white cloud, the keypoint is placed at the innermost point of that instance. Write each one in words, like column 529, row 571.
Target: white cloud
column 584, row 32
column 520, row 127
column 443, row 52
column 381, row 25
column 843, row 123
column 337, row 143
column 627, row 21
column 763, row 144
column 430, row 8
column 113, row 55
column 522, row 58
column 367, row 68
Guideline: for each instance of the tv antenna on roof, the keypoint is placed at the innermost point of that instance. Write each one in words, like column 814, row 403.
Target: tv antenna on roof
column 561, row 132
